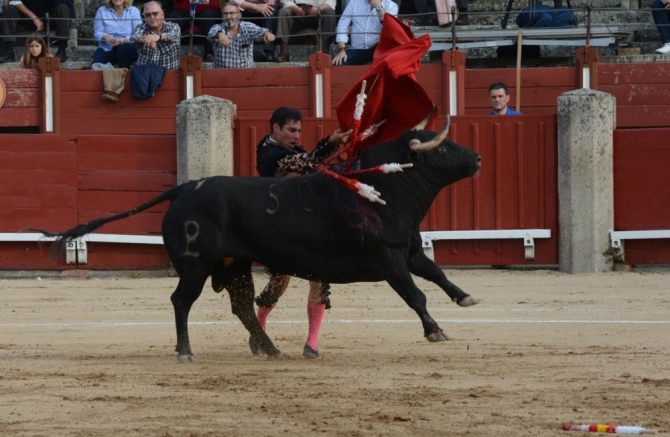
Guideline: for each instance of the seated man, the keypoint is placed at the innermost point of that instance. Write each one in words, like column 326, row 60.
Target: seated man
column 499, row 97
column 365, row 18
column 263, row 13
column 15, row 12
column 157, row 39
column 206, row 15
column 660, row 10
column 234, row 39
column 305, row 14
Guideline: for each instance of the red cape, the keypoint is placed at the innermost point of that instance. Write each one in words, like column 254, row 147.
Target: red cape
column 396, row 95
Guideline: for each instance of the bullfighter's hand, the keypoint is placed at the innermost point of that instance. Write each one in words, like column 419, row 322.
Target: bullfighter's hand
column 339, row 137
column 268, row 37
column 265, row 9
column 223, row 40
column 340, row 57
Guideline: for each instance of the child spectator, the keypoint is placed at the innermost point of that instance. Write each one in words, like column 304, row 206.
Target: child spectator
column 35, row 49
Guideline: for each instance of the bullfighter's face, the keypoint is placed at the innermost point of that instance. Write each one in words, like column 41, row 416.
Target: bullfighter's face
column 287, row 136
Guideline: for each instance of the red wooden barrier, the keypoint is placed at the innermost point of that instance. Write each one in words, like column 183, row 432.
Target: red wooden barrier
column 642, row 191
column 21, row 107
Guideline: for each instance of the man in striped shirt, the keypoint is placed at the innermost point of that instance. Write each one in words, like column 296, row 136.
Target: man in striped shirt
column 233, row 40
column 157, row 39
column 365, row 18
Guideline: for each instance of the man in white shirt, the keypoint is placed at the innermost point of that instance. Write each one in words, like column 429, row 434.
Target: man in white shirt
column 365, row 18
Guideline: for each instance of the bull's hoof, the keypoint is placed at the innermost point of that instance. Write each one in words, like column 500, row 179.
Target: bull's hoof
column 468, row 301
column 310, row 353
column 437, row 336
column 255, row 347
column 278, row 356
column 186, row 358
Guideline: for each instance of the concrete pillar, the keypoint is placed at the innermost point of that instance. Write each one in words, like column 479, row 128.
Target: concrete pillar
column 585, row 179
column 204, row 138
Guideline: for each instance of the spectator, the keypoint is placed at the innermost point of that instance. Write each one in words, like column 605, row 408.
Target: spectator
column 14, row 10
column 306, row 14
column 499, row 96
column 113, row 25
column 279, row 155
column 234, row 39
column 157, row 39
column 661, row 13
column 426, row 12
column 263, row 13
column 35, row 49
column 365, row 18
column 206, row 15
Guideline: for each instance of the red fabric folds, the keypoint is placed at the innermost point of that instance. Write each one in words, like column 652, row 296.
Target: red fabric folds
column 393, row 92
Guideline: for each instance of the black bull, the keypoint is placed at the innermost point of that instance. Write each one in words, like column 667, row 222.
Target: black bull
column 309, row 226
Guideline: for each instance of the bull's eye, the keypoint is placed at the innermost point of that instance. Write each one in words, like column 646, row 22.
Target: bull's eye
column 439, row 150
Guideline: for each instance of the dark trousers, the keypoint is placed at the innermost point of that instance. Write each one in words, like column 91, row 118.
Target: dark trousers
column 359, row 56
column 269, row 23
column 662, row 19
column 205, row 19
column 59, row 14
column 289, row 23
column 124, row 55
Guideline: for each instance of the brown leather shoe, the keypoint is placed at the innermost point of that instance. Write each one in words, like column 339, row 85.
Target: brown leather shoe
column 283, row 57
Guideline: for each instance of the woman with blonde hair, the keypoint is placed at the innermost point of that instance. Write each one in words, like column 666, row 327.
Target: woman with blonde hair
column 114, row 24
column 35, row 49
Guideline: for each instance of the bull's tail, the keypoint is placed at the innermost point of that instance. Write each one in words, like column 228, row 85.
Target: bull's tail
column 80, row 230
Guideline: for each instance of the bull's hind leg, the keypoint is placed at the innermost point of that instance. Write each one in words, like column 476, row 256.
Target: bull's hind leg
column 420, row 265
column 401, row 281
column 192, row 277
column 240, row 286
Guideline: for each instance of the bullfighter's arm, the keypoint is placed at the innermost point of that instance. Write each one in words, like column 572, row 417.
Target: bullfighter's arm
column 304, row 163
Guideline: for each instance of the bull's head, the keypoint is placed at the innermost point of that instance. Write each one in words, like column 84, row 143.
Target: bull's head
column 420, row 147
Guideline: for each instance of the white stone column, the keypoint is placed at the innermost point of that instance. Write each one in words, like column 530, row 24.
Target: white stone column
column 204, row 138
column 586, row 121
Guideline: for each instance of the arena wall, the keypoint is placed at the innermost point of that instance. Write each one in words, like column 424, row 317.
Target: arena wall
column 115, row 156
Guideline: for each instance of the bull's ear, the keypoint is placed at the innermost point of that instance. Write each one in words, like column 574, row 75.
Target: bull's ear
column 422, row 125
column 419, row 147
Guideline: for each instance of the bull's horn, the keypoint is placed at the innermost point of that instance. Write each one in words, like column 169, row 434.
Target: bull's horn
column 422, row 125
column 419, row 147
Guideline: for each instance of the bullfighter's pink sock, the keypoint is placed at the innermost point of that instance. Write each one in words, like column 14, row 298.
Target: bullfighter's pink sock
column 315, row 311
column 263, row 314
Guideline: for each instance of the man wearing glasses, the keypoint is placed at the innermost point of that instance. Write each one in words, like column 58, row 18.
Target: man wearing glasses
column 157, row 39
column 233, row 40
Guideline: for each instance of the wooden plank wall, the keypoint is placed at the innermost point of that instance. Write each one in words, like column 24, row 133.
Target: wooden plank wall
column 258, row 92
column 85, row 112
column 516, row 189
column 116, row 174
column 21, row 107
column 642, row 93
column 540, row 88
column 642, row 191
column 38, row 189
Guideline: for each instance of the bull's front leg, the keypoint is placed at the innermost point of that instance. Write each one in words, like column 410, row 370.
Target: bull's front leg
column 400, row 279
column 420, row 265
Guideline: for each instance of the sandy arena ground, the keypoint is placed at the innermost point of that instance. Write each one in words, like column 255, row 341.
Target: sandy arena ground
column 96, row 358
